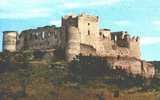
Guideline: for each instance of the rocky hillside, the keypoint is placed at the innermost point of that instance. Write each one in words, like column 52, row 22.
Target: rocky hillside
column 156, row 64
column 24, row 77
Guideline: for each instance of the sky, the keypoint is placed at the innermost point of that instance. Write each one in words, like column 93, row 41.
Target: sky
column 138, row 17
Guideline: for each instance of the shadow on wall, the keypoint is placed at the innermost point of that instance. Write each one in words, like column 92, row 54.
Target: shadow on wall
column 85, row 69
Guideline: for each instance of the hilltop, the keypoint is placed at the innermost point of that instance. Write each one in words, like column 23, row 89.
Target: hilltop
column 81, row 35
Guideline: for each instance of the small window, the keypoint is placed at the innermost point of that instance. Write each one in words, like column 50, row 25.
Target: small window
column 100, row 33
column 115, row 39
column 88, row 32
column 43, row 35
column 103, row 36
column 49, row 34
column 88, row 24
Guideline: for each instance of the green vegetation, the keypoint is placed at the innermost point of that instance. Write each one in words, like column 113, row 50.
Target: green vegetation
column 86, row 69
column 24, row 76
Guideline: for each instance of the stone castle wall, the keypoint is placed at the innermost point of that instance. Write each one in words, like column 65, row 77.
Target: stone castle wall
column 81, row 35
column 135, row 47
column 73, row 43
column 86, row 31
column 41, row 38
column 105, row 42
column 89, row 29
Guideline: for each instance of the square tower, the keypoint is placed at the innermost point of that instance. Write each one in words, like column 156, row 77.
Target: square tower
column 88, row 26
column 79, row 30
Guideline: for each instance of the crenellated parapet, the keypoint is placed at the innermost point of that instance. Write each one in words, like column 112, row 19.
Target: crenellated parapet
column 89, row 17
column 80, row 29
column 135, row 38
column 80, row 34
column 40, row 38
column 134, row 46
column 105, row 34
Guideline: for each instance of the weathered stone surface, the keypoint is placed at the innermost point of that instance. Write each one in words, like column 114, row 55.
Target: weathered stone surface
column 81, row 35
column 9, row 41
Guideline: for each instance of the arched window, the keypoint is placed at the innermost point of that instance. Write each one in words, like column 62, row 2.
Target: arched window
column 115, row 38
column 43, row 35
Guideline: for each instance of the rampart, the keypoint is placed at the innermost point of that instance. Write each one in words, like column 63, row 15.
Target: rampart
column 81, row 35
column 47, row 37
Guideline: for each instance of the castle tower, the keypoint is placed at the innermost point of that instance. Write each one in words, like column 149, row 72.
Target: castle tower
column 73, row 43
column 81, row 29
column 134, row 46
column 72, row 37
column 88, row 26
column 9, row 41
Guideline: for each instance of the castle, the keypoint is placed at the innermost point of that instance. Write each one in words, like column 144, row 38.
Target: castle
column 81, row 35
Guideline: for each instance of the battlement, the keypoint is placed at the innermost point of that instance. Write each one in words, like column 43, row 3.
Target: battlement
column 79, row 34
column 89, row 17
column 86, row 31
column 40, row 38
column 123, row 35
column 69, row 16
column 135, row 38
column 105, row 33
column 82, row 15
column 119, row 35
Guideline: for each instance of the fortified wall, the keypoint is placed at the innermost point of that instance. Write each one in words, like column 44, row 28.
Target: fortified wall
column 84, row 30
column 81, row 35
column 42, row 38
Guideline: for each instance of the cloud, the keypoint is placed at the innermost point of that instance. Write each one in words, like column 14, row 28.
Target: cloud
column 150, row 40
column 104, row 2
column 23, row 9
column 156, row 23
column 72, row 5
column 4, row 2
column 55, row 22
column 14, row 2
column 25, row 14
column 122, row 23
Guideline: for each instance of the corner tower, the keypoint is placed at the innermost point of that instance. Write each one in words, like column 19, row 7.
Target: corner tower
column 9, row 41
column 134, row 45
column 72, row 37
column 86, row 28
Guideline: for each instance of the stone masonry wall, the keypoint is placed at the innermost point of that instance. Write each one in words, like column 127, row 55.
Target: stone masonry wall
column 89, row 29
column 81, row 35
column 135, row 47
column 40, row 38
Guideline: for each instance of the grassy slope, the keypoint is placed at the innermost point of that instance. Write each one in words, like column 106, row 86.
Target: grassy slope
column 43, row 80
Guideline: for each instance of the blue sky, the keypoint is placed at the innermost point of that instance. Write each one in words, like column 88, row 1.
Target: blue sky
column 138, row 17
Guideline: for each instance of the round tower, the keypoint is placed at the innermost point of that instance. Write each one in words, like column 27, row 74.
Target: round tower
column 9, row 41
column 72, row 43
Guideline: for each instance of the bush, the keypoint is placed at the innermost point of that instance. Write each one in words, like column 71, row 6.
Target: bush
column 87, row 68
